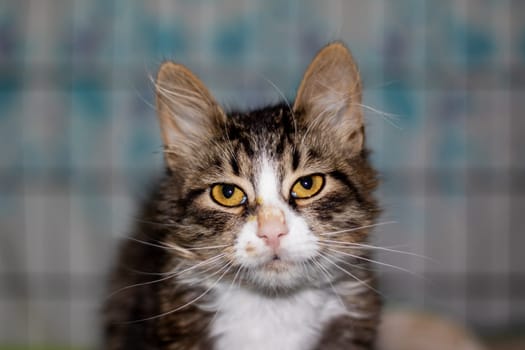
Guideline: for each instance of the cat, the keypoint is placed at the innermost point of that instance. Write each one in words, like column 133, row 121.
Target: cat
column 255, row 238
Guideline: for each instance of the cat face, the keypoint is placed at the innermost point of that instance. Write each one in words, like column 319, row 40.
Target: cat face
column 256, row 197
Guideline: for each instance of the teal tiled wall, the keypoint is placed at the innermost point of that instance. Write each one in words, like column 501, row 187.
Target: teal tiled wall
column 444, row 83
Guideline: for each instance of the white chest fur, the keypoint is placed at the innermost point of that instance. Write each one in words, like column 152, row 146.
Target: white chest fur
column 246, row 320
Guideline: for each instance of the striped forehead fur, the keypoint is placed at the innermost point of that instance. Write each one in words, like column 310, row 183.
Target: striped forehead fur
column 279, row 134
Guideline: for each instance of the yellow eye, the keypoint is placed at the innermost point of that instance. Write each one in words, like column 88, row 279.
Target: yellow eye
column 307, row 186
column 228, row 195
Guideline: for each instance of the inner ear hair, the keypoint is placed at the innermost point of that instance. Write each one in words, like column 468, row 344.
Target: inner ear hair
column 187, row 112
column 329, row 95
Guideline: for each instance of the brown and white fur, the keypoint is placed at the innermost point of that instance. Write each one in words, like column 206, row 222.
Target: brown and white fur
column 275, row 272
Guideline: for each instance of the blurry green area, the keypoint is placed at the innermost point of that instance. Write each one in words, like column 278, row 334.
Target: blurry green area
column 38, row 347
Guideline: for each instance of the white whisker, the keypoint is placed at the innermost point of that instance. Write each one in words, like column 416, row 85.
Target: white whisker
column 389, row 117
column 141, row 284
column 139, row 272
column 228, row 266
column 160, row 245
column 357, row 228
column 169, row 275
column 279, row 91
column 209, row 247
column 375, row 262
column 367, row 246
column 352, row 265
column 165, row 246
column 227, row 292
column 329, row 279
column 153, row 222
column 350, row 274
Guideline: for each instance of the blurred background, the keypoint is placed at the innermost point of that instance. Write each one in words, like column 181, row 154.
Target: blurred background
column 444, row 85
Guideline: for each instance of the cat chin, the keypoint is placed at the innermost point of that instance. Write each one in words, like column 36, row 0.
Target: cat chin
column 277, row 275
column 278, row 266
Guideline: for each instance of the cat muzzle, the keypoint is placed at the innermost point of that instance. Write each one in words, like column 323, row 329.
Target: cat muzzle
column 271, row 226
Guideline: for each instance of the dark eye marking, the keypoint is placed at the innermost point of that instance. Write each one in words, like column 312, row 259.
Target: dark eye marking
column 234, row 165
column 247, row 147
column 192, row 194
column 342, row 177
column 296, row 158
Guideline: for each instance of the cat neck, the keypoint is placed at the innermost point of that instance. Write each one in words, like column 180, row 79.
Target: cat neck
column 244, row 318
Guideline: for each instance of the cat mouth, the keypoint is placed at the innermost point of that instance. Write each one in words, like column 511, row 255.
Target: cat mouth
column 277, row 264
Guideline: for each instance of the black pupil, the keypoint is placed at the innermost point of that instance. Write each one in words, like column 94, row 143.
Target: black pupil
column 228, row 190
column 307, row 182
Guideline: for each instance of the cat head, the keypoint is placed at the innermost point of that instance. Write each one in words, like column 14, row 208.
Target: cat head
column 258, row 196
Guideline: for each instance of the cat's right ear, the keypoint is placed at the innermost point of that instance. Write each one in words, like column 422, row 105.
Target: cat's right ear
column 187, row 112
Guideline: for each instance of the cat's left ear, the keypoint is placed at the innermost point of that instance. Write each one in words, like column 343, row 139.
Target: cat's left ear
column 329, row 97
column 188, row 114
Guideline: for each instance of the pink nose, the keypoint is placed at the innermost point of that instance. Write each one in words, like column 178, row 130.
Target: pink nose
column 271, row 226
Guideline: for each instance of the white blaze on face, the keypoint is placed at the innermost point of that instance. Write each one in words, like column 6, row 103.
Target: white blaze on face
column 250, row 320
column 297, row 245
column 268, row 188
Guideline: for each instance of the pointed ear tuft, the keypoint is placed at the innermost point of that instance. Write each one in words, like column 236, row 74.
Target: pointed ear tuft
column 187, row 112
column 329, row 96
